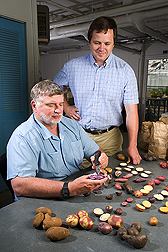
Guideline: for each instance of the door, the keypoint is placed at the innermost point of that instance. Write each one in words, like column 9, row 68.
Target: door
column 13, row 79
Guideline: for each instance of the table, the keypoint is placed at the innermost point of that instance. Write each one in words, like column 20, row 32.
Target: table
column 18, row 234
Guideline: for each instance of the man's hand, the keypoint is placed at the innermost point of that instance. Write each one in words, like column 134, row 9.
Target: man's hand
column 133, row 155
column 71, row 112
column 103, row 159
column 83, row 185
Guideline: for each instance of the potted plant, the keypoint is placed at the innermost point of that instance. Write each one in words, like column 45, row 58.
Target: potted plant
column 156, row 92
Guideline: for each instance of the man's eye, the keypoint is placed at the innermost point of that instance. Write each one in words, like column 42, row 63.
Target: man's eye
column 50, row 105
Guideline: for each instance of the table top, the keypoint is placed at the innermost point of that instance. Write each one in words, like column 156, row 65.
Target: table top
column 18, row 234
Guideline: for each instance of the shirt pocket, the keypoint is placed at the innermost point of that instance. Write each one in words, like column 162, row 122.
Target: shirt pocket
column 77, row 151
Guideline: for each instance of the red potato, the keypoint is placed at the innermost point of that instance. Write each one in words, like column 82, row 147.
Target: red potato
column 162, row 178
column 86, row 223
column 121, row 180
column 125, row 203
column 151, row 182
column 115, row 221
column 157, row 181
column 129, row 175
column 118, row 186
column 104, row 228
column 72, row 220
column 138, row 194
column 81, row 213
column 166, row 188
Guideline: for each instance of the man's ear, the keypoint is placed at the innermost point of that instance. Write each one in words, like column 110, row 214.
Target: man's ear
column 33, row 105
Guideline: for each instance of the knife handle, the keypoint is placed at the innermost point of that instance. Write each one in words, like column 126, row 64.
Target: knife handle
column 97, row 155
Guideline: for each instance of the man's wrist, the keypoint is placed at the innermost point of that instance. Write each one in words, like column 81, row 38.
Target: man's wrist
column 65, row 191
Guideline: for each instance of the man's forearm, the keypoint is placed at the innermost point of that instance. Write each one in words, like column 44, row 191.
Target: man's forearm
column 36, row 187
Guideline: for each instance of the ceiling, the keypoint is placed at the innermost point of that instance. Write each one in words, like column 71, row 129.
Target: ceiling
column 138, row 22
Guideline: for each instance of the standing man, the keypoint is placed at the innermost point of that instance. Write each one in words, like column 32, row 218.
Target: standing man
column 49, row 147
column 102, row 84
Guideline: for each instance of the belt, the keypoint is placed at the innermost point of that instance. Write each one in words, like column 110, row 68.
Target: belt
column 95, row 132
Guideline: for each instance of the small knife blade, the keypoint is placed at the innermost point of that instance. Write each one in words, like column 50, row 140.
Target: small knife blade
column 97, row 163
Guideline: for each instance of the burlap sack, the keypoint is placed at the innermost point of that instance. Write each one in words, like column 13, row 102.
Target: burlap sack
column 145, row 135
column 158, row 145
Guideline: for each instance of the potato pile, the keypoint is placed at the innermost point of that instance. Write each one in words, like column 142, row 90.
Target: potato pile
column 52, row 225
column 133, row 236
column 81, row 218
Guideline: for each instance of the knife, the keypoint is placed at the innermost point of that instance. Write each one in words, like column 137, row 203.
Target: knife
column 97, row 163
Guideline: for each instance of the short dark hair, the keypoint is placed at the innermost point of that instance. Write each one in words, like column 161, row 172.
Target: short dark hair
column 103, row 24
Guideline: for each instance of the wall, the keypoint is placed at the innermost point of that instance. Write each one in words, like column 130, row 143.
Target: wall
column 24, row 11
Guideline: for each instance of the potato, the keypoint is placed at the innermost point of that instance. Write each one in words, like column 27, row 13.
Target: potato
column 86, row 223
column 132, row 231
column 137, row 225
column 138, row 194
column 81, row 213
column 57, row 233
column 121, row 157
column 121, row 232
column 51, row 222
column 138, row 241
column 38, row 220
column 72, row 220
column 129, row 189
column 44, row 210
column 104, row 228
column 153, row 221
column 115, row 221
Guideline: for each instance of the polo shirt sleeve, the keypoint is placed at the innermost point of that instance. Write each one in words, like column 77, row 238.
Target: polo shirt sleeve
column 21, row 159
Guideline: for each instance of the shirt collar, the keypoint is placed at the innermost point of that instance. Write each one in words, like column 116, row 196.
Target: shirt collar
column 43, row 130
column 108, row 60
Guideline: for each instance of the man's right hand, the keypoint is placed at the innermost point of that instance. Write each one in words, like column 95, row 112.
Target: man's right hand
column 83, row 185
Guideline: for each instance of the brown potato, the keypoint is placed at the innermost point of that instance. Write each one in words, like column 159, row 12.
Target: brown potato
column 57, row 233
column 38, row 220
column 44, row 210
column 121, row 156
column 51, row 222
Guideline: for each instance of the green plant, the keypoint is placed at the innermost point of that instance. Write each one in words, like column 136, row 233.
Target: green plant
column 156, row 92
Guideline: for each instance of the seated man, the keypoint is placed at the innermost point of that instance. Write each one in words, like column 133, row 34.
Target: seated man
column 49, row 147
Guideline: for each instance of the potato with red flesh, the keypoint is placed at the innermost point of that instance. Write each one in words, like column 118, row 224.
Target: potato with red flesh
column 86, row 223
column 115, row 221
column 72, row 220
column 104, row 228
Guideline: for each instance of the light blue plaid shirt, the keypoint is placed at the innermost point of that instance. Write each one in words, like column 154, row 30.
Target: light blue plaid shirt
column 99, row 92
